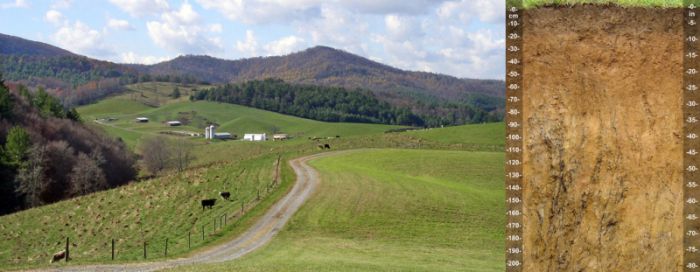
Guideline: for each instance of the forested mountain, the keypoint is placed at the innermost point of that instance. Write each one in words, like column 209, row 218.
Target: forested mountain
column 331, row 104
column 322, row 65
column 78, row 80
column 47, row 154
column 11, row 45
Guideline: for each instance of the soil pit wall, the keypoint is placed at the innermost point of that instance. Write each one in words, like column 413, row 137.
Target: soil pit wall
column 603, row 138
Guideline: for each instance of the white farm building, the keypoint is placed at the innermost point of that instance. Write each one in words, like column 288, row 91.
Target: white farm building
column 255, row 137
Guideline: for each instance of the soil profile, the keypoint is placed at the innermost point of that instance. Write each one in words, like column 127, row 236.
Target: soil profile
column 603, row 126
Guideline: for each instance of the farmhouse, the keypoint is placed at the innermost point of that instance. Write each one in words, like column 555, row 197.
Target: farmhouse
column 255, row 137
column 280, row 137
column 142, row 119
column 174, row 123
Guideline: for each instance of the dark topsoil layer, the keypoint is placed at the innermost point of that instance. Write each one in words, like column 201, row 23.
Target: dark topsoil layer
column 603, row 125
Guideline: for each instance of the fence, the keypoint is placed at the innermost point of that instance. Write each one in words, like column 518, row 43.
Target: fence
column 208, row 231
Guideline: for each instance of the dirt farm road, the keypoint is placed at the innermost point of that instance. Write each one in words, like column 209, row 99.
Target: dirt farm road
column 255, row 237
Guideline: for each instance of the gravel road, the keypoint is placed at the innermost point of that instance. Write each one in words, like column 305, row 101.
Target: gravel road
column 257, row 236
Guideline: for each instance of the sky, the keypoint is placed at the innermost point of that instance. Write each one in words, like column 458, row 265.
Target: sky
column 462, row 38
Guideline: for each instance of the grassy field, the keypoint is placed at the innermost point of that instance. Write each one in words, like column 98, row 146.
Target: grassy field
column 151, row 211
column 624, row 3
column 393, row 210
column 432, row 191
column 235, row 119
column 484, row 134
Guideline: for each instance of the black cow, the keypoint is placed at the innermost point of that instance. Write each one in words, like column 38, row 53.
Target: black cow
column 58, row 256
column 225, row 195
column 208, row 203
column 327, row 146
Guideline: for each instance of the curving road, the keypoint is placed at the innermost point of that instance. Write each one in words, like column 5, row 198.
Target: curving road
column 258, row 235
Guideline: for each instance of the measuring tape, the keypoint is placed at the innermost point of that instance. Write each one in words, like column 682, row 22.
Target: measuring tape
column 514, row 136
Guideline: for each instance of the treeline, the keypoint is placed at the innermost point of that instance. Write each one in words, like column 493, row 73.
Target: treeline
column 78, row 80
column 47, row 154
column 322, row 103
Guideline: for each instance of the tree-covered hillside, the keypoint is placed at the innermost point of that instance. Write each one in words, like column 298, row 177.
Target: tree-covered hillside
column 47, row 154
column 332, row 104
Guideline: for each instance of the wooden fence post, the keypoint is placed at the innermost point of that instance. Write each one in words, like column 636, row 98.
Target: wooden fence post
column 67, row 249
column 224, row 219
column 202, row 232
column 189, row 240
column 144, row 250
column 166, row 247
column 112, row 249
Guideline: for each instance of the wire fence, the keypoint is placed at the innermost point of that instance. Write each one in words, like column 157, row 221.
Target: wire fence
column 199, row 234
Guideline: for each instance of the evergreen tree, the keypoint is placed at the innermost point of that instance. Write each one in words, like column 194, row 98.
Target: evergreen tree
column 176, row 93
column 5, row 100
column 17, row 145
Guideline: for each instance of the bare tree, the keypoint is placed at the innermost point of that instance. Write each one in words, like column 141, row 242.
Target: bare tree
column 31, row 179
column 87, row 176
column 155, row 154
column 181, row 152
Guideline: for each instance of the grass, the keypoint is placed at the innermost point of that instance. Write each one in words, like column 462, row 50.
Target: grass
column 485, row 134
column 393, row 210
column 623, row 3
column 440, row 198
column 230, row 118
column 165, row 207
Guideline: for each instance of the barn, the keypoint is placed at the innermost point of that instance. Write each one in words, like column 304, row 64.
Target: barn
column 142, row 119
column 255, row 137
column 280, row 137
column 223, row 135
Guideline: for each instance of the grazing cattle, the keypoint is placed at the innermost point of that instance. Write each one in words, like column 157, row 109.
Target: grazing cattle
column 58, row 256
column 327, row 146
column 208, row 203
column 225, row 195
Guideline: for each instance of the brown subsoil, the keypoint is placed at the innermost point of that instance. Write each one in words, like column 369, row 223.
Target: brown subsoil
column 602, row 126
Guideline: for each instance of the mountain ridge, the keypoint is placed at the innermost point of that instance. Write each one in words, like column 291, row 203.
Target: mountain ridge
column 76, row 77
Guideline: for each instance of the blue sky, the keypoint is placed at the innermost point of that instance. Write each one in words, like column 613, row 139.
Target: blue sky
column 463, row 38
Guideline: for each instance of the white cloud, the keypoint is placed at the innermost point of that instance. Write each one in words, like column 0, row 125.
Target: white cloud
column 80, row 38
column 249, row 47
column 338, row 28
column 141, row 7
column 391, row 6
column 285, row 46
column 466, row 10
column 402, row 27
column 265, row 11
column 119, row 24
column 133, row 58
column 61, row 4
column 54, row 17
column 182, row 31
column 216, row 28
column 14, row 4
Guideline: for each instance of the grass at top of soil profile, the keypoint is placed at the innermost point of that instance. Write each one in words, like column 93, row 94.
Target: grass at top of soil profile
column 623, row 3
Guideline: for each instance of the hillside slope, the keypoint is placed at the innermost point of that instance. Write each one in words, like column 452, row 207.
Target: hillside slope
column 11, row 45
column 79, row 80
column 322, row 65
column 392, row 210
